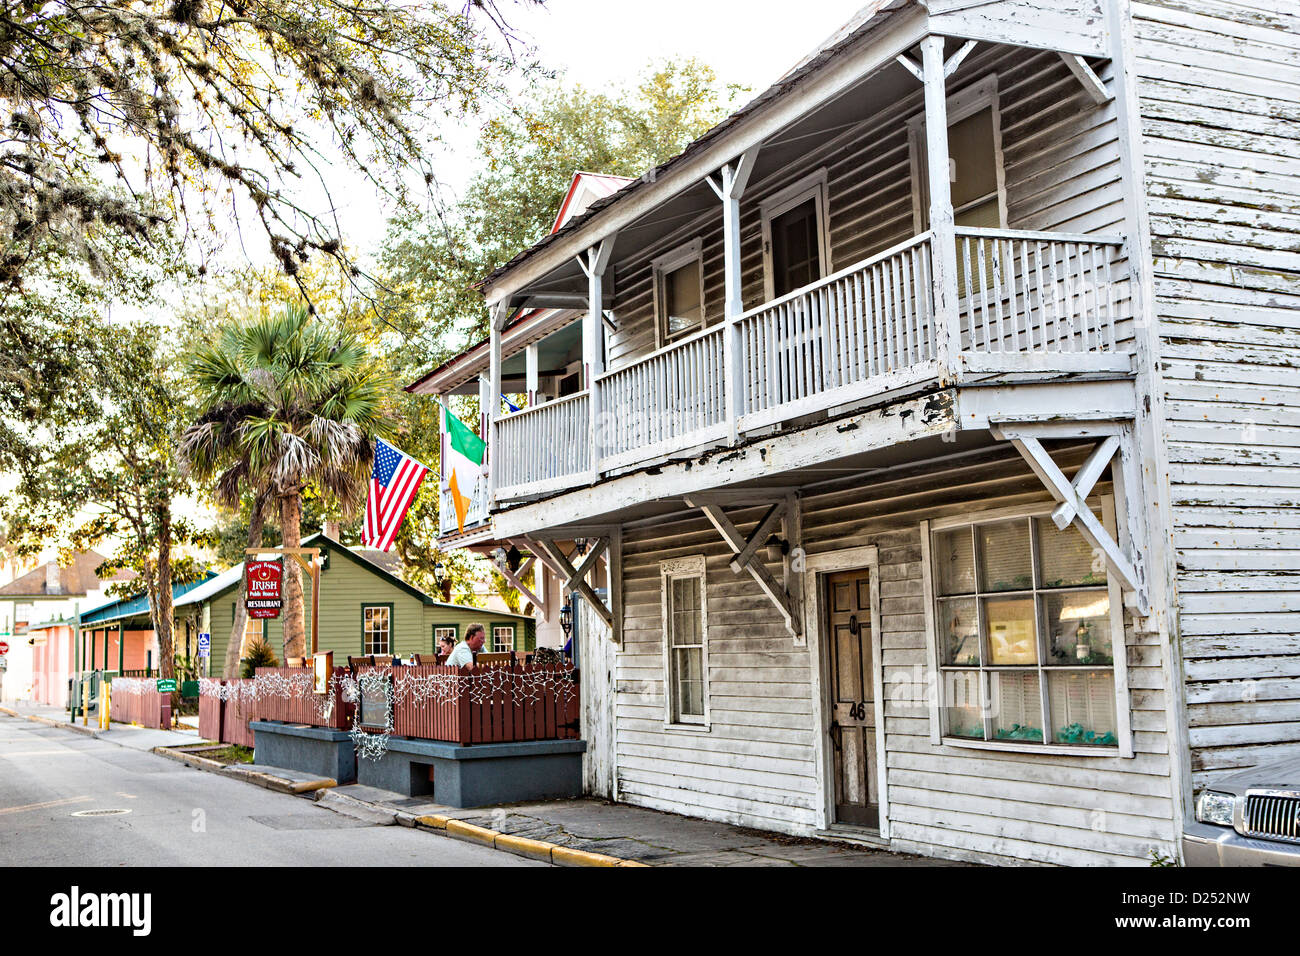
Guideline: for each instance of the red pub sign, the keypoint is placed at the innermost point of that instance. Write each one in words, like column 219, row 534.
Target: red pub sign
column 262, row 588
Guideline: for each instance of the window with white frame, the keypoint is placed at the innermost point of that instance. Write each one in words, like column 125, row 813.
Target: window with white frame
column 254, row 631
column 685, row 627
column 679, row 292
column 448, row 632
column 796, row 240
column 377, row 622
column 1026, row 633
column 503, row 638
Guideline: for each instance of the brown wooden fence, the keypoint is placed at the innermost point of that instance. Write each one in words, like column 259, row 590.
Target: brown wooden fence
column 288, row 697
column 211, row 709
column 475, row 705
column 240, row 708
column 137, row 701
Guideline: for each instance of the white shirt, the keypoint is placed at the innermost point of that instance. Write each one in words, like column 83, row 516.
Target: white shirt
column 460, row 656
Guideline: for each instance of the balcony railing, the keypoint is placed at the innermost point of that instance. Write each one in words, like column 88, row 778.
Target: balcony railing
column 670, row 400
column 1026, row 302
column 543, row 446
column 475, row 515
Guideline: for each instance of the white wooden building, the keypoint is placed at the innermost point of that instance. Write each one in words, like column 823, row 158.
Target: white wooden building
column 933, row 425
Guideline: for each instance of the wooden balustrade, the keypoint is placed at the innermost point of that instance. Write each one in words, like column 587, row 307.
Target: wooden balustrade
column 671, row 399
column 1026, row 302
column 806, row 350
column 543, row 445
column 1039, row 292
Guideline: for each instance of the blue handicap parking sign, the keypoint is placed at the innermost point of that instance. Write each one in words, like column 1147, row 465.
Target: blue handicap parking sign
column 205, row 643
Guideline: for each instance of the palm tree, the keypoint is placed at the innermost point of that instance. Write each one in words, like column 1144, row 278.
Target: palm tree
column 288, row 401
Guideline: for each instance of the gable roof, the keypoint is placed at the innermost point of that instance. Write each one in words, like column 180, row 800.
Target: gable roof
column 76, row 580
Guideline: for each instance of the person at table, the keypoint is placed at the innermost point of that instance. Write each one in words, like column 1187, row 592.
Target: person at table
column 445, row 646
column 469, row 648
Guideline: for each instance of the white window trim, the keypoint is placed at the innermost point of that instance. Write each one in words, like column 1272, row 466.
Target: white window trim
column 365, row 636
column 514, row 635
column 687, row 567
column 812, row 186
column 961, row 104
column 1119, row 645
column 660, row 266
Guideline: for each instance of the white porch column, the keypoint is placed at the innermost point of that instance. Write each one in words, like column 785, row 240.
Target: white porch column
column 500, row 312
column 944, row 242
column 530, row 374
column 593, row 263
column 734, row 177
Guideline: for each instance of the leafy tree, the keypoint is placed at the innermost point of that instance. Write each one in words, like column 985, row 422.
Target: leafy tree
column 528, row 157
column 287, row 403
column 188, row 102
column 111, row 474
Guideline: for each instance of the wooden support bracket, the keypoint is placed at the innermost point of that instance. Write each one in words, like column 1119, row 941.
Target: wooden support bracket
column 1126, row 567
column 557, row 557
column 775, row 592
column 1092, row 84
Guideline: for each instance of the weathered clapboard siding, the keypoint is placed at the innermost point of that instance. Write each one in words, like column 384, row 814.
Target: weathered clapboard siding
column 1219, row 87
column 1061, row 165
column 756, row 765
column 1073, row 25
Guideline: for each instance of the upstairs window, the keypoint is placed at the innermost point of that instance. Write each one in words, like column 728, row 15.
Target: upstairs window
column 796, row 246
column 679, row 292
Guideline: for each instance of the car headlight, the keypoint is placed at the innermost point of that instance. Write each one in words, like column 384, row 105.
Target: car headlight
column 1214, row 807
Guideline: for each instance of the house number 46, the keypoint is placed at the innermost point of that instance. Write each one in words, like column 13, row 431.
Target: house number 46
column 858, row 711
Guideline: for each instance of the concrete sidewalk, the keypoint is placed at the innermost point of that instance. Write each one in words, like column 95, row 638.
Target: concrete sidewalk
column 127, row 735
column 646, row 836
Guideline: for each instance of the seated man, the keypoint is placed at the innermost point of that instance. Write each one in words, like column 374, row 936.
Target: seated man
column 469, row 648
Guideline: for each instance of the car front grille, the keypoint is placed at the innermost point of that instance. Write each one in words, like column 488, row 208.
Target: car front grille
column 1273, row 816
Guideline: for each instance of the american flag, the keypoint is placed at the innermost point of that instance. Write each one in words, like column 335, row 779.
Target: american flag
column 394, row 481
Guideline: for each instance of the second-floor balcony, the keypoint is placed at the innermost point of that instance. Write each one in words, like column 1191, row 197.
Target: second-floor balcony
column 947, row 217
column 1029, row 304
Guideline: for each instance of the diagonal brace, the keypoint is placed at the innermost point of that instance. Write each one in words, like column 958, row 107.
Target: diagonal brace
column 1092, row 530
column 777, row 594
column 759, row 535
column 549, row 550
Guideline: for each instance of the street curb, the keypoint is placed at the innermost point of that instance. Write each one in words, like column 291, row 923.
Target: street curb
column 192, row 760
column 272, row 782
column 519, row 846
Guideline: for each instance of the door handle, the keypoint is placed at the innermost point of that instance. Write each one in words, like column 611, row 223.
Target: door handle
column 836, row 731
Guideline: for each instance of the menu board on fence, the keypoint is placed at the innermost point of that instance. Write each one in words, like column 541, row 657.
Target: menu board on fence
column 262, row 588
column 376, row 702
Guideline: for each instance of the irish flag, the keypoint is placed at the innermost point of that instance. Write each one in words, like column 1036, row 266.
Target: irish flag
column 462, row 464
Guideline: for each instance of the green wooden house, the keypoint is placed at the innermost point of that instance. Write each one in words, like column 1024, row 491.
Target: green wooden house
column 365, row 608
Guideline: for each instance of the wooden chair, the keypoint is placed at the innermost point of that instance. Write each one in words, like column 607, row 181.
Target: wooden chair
column 295, row 662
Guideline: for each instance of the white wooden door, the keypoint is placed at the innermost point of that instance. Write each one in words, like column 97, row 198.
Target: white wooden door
column 853, row 697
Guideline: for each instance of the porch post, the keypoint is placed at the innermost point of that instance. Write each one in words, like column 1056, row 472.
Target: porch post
column 530, row 374
column 734, row 177
column 593, row 263
column 944, row 241
column 500, row 312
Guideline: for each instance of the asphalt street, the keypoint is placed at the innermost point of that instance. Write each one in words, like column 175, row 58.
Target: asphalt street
column 55, row 786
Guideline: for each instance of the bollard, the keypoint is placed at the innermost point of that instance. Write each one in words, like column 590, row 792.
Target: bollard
column 105, row 702
column 85, row 703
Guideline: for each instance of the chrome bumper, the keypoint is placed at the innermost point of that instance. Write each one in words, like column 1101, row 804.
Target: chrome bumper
column 1207, row 845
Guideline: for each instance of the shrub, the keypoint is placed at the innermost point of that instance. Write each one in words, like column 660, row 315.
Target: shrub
column 259, row 655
